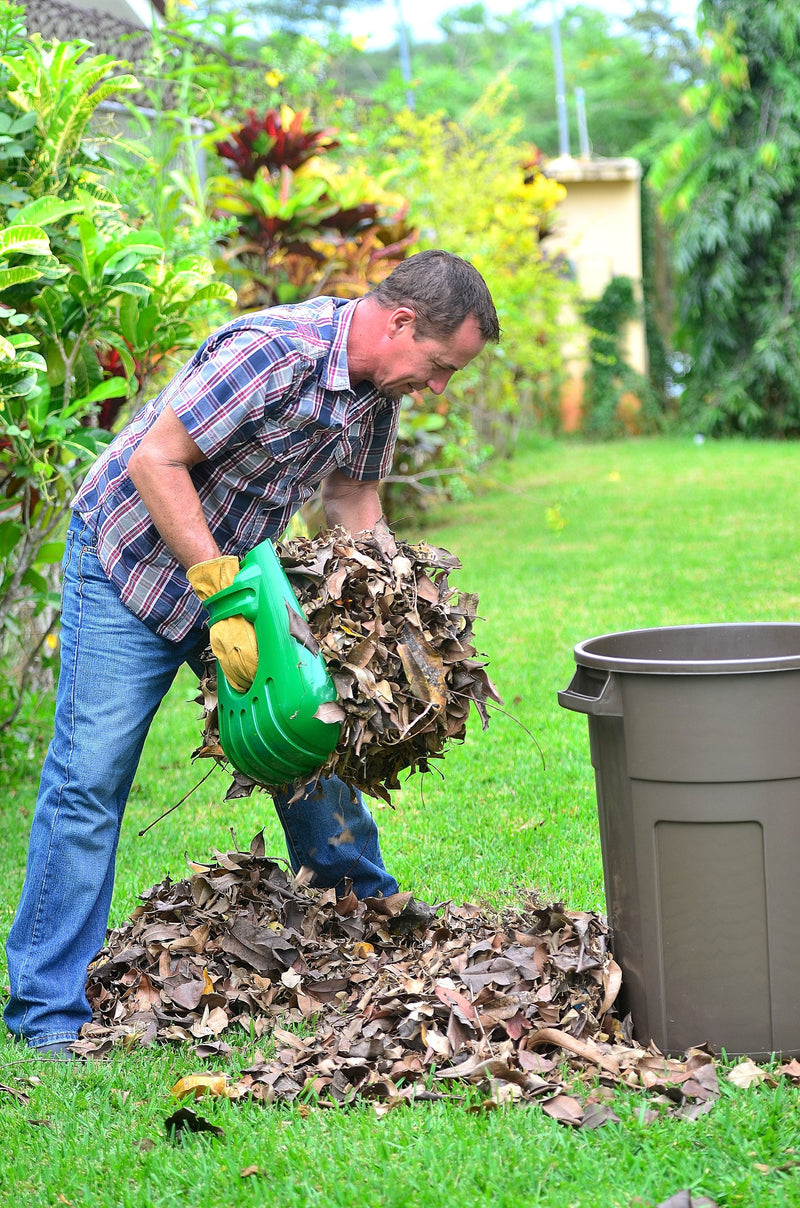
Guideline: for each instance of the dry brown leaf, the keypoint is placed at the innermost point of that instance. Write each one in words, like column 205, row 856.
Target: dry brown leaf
column 564, row 1108
column 791, row 1070
column 185, row 1120
column 746, row 1074
column 612, row 981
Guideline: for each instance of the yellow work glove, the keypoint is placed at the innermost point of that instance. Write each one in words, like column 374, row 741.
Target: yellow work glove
column 234, row 639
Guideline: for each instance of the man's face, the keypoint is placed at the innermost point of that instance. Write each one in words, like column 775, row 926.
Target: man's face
column 408, row 363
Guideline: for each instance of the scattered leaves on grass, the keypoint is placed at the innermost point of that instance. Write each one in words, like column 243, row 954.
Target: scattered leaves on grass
column 685, row 1199
column 791, row 1070
column 564, row 1108
column 184, row 1120
column 398, row 644
column 20, row 1096
column 197, row 1085
column 746, row 1074
column 790, row 1164
column 518, row 1005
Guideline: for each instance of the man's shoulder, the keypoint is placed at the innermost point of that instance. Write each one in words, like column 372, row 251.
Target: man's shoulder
column 308, row 327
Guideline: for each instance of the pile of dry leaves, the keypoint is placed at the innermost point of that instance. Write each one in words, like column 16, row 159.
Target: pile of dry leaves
column 521, row 1005
column 398, row 643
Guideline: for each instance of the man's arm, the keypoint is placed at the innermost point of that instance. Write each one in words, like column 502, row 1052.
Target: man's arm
column 159, row 469
column 353, row 504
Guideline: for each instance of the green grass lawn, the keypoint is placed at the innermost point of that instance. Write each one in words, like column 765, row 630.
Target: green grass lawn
column 566, row 542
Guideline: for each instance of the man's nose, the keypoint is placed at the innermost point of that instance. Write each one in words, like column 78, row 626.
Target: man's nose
column 438, row 384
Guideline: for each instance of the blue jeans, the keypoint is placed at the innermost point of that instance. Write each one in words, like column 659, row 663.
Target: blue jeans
column 114, row 674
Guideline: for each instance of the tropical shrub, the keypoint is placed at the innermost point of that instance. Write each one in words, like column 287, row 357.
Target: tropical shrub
column 205, row 75
column 616, row 397
column 42, row 447
column 296, row 214
column 306, row 225
column 485, row 197
column 91, row 310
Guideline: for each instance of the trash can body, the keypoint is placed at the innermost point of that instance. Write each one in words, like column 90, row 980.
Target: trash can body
column 695, row 741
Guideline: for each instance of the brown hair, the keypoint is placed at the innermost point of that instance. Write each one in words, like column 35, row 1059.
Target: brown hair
column 441, row 289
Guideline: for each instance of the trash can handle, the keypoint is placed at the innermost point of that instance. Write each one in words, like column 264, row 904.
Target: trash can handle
column 582, row 696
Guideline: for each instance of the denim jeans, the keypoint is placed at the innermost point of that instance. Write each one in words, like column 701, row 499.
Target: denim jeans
column 114, row 674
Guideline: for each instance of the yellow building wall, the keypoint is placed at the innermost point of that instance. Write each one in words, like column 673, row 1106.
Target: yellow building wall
column 599, row 231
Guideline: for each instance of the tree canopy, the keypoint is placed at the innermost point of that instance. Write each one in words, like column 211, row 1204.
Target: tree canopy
column 730, row 188
column 632, row 77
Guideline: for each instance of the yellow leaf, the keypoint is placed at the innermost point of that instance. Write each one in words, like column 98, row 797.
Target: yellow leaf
column 198, row 1085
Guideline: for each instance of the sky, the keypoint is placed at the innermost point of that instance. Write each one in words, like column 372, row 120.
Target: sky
column 379, row 22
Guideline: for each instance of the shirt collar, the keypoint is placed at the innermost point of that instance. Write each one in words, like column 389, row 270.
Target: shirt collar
column 336, row 374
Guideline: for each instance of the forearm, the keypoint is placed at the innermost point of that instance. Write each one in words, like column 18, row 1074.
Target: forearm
column 354, row 505
column 174, row 506
column 160, row 471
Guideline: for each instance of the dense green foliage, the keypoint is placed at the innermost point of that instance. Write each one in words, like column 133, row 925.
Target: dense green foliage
column 325, row 204
column 305, row 225
column 611, row 383
column 632, row 73
column 731, row 194
column 497, row 223
column 90, row 309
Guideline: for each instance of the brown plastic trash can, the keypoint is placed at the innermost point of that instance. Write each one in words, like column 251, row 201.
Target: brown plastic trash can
column 695, row 741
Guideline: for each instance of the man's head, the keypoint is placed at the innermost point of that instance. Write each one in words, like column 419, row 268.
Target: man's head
column 425, row 321
column 441, row 289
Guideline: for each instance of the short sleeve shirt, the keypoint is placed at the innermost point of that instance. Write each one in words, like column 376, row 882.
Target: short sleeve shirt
column 267, row 399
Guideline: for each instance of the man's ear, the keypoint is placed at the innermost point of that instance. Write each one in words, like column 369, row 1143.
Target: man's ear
column 402, row 318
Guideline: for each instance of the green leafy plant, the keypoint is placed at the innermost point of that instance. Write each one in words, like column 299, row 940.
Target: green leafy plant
column 92, row 311
column 209, row 80
column 62, row 88
column 730, row 193
column 436, row 456
column 42, row 445
column 157, row 328
column 616, row 398
column 484, row 197
column 278, row 139
column 306, row 225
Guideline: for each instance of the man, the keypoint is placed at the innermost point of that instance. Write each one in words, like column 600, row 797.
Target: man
column 271, row 406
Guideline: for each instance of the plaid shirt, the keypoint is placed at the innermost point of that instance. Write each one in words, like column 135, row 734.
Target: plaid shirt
column 268, row 400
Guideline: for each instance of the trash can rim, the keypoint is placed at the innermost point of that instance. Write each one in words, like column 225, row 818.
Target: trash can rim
column 589, row 652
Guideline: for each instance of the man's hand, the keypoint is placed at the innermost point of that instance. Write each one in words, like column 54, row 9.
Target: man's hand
column 234, row 639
